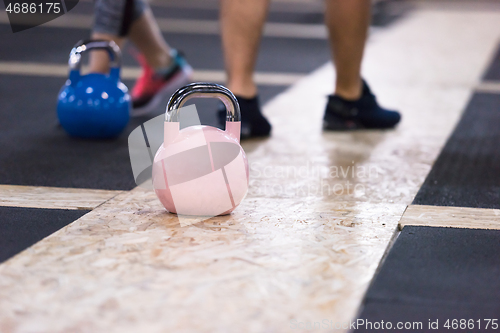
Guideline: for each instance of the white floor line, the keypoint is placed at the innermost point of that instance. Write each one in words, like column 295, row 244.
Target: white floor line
column 57, row 70
column 491, row 87
column 203, row 27
column 53, row 197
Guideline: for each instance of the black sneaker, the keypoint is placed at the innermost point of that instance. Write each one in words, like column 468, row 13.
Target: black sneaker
column 253, row 122
column 364, row 113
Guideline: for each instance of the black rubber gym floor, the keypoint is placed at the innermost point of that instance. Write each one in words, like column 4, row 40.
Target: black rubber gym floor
column 437, row 274
column 467, row 172
column 23, row 227
column 493, row 71
column 36, row 151
column 447, row 273
column 202, row 51
column 304, row 17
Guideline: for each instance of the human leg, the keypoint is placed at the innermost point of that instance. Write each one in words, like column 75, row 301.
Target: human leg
column 347, row 23
column 242, row 23
column 353, row 105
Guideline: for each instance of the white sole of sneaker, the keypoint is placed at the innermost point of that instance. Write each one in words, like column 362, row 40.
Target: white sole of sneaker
column 178, row 81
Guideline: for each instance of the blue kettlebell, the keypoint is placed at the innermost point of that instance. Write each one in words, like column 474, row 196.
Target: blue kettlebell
column 94, row 105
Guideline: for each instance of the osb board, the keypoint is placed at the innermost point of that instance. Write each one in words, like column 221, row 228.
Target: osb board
column 453, row 217
column 128, row 266
column 53, row 197
column 374, row 167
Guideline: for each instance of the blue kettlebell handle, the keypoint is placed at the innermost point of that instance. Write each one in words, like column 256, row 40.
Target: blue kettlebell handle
column 204, row 90
column 75, row 57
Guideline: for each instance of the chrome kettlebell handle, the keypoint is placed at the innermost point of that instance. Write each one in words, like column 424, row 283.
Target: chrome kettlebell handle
column 75, row 55
column 204, row 90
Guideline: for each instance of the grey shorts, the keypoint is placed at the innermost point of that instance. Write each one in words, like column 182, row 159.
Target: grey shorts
column 115, row 17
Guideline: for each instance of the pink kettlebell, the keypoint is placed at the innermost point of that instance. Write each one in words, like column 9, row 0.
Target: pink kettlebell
column 201, row 170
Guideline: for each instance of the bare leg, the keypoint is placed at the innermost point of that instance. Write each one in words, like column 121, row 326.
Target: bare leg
column 146, row 35
column 348, row 22
column 242, row 22
column 99, row 60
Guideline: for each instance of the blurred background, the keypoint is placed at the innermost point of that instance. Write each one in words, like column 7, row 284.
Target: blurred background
column 33, row 67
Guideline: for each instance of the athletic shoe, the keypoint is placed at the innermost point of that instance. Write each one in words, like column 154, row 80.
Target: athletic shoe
column 364, row 113
column 153, row 87
column 253, row 122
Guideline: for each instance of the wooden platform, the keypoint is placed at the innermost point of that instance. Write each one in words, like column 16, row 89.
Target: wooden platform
column 303, row 246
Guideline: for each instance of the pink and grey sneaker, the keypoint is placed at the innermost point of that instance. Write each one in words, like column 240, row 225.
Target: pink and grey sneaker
column 155, row 86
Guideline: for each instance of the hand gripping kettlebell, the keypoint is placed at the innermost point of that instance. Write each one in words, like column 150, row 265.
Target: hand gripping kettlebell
column 201, row 170
column 94, row 105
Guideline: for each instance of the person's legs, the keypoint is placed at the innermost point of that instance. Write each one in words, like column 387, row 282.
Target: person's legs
column 117, row 20
column 164, row 70
column 99, row 60
column 353, row 105
column 348, row 23
column 242, row 22
column 112, row 20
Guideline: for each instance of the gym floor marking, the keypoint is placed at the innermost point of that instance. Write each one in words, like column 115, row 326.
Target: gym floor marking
column 309, row 4
column 453, row 217
column 56, row 70
column 53, row 197
column 204, row 27
column 282, row 30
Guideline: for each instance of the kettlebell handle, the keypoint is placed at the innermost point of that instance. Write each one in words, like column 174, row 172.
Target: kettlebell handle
column 204, row 90
column 75, row 55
